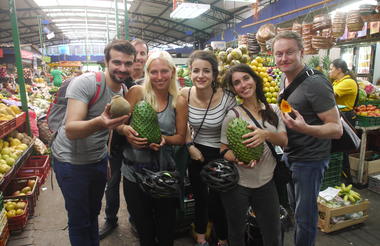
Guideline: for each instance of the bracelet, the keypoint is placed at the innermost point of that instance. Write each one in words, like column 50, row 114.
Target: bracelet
column 188, row 144
column 223, row 153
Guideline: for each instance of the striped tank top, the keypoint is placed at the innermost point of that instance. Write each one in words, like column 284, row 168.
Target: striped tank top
column 209, row 134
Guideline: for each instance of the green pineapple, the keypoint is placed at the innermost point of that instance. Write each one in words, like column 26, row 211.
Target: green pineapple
column 235, row 130
column 145, row 122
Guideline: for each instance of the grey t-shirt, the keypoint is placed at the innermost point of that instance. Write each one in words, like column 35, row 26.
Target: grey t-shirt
column 314, row 95
column 94, row 147
column 262, row 172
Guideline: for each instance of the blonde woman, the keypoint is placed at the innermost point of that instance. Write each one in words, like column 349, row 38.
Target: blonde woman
column 154, row 217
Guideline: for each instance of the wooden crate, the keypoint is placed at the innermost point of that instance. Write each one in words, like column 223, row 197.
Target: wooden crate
column 325, row 223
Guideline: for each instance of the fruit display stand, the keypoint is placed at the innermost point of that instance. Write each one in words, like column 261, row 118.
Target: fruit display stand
column 326, row 214
column 363, row 146
column 16, row 187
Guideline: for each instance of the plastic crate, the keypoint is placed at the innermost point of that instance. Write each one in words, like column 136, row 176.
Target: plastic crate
column 7, row 126
column 366, row 121
column 4, row 236
column 18, row 223
column 3, row 220
column 333, row 172
column 36, row 166
column 20, row 119
column 18, row 184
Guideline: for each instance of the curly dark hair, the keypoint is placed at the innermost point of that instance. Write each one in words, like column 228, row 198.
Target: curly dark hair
column 267, row 114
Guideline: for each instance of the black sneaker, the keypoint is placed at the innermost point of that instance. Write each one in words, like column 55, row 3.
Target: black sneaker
column 106, row 229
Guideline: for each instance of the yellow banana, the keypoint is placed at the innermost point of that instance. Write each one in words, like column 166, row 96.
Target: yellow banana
column 343, row 186
column 345, row 198
column 351, row 198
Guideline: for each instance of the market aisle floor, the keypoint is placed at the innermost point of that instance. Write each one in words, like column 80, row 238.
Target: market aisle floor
column 48, row 227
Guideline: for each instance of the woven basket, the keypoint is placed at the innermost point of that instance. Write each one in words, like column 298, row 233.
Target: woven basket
column 321, row 22
column 266, row 32
column 307, row 29
column 283, row 29
column 338, row 25
column 371, row 17
column 297, row 27
column 320, row 42
column 354, row 21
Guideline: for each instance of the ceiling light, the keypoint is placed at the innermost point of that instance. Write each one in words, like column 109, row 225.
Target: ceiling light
column 189, row 10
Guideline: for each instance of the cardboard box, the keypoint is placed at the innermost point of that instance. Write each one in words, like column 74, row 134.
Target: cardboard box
column 326, row 213
column 370, row 167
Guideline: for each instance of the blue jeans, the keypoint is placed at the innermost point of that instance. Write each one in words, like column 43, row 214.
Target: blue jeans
column 112, row 190
column 303, row 192
column 82, row 187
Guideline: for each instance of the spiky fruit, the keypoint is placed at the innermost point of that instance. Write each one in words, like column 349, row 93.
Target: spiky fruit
column 119, row 106
column 145, row 122
column 235, row 130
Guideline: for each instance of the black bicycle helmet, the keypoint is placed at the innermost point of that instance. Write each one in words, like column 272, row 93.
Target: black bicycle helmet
column 161, row 184
column 220, row 175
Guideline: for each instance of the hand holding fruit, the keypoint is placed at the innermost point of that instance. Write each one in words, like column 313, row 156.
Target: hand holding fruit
column 133, row 137
column 297, row 123
column 155, row 146
column 255, row 138
column 110, row 123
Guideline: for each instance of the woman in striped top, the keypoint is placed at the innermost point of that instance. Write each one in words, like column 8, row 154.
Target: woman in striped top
column 207, row 107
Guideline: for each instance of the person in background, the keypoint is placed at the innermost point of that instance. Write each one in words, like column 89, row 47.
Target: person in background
column 315, row 122
column 57, row 76
column 345, row 88
column 79, row 151
column 116, row 143
column 154, row 217
column 141, row 58
column 346, row 91
column 256, row 187
column 206, row 101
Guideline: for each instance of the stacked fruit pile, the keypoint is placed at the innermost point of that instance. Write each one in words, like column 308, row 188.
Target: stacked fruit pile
column 14, row 207
column 231, row 57
column 368, row 110
column 271, row 77
column 11, row 148
column 348, row 194
column 8, row 112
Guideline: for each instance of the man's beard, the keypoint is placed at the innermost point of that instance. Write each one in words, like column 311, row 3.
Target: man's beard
column 118, row 80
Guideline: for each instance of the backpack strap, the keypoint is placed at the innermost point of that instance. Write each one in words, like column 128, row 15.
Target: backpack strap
column 99, row 80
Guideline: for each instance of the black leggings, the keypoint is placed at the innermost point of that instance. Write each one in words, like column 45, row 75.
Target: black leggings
column 206, row 198
column 264, row 201
column 155, row 218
